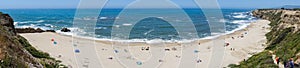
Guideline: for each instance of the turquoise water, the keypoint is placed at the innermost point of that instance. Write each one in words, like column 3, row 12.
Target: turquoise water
column 146, row 29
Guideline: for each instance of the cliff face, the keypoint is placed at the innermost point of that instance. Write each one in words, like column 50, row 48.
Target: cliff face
column 6, row 20
column 12, row 54
column 283, row 39
column 283, row 23
column 16, row 52
column 280, row 18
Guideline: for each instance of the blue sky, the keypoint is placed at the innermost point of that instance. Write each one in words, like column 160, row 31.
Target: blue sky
column 14, row 4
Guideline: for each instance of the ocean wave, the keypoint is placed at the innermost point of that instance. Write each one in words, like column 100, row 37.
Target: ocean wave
column 241, row 15
column 100, row 27
column 23, row 22
column 49, row 25
column 155, row 41
column 240, row 21
column 223, row 20
column 103, row 18
column 34, row 26
column 126, row 24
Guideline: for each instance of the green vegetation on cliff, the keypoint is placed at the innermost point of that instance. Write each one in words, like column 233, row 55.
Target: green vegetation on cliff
column 283, row 40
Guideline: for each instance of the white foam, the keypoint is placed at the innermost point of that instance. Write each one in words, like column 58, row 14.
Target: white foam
column 16, row 23
column 155, row 41
column 161, row 17
column 117, row 26
column 240, row 21
column 103, row 17
column 34, row 26
column 49, row 25
column 126, row 24
column 222, row 20
column 100, row 27
column 148, row 31
column 40, row 21
column 240, row 16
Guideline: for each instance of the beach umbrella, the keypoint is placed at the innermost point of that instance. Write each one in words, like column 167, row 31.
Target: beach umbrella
column 196, row 51
column 116, row 51
column 77, row 51
column 139, row 63
column 52, row 39
column 54, row 43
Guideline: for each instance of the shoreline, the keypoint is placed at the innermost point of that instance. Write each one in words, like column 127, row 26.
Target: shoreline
column 69, row 34
column 104, row 49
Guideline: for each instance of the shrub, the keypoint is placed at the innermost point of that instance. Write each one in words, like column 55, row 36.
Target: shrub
column 34, row 52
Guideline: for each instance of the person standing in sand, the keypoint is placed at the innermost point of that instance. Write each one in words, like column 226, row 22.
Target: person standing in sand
column 277, row 60
column 291, row 63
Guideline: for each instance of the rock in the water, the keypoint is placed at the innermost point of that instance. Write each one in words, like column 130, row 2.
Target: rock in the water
column 50, row 31
column 65, row 30
column 29, row 30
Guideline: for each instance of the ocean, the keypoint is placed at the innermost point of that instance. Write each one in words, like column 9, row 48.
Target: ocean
column 145, row 30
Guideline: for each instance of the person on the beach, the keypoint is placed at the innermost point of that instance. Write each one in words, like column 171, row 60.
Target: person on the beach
column 285, row 64
column 227, row 44
column 242, row 35
column 277, row 60
column 147, row 48
column 291, row 63
column 199, row 60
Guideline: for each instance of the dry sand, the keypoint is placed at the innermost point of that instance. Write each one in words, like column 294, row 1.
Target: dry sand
column 107, row 54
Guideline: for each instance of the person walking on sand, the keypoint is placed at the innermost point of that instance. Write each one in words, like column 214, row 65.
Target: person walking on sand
column 291, row 63
column 277, row 60
column 285, row 64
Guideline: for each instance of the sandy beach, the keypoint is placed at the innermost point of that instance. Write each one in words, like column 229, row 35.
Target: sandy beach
column 98, row 53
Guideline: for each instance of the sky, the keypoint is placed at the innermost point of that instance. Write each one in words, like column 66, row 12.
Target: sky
column 34, row 4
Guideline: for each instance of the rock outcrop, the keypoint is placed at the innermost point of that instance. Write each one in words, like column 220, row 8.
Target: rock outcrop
column 6, row 20
column 281, row 18
column 16, row 52
column 29, row 30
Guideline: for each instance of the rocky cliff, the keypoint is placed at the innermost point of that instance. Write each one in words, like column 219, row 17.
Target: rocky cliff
column 283, row 39
column 16, row 52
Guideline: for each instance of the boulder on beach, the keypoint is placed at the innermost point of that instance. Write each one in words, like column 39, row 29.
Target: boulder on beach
column 65, row 30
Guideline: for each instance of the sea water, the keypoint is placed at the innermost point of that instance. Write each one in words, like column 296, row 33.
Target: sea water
column 148, row 29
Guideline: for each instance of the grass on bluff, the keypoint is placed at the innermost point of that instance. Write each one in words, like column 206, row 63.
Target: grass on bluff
column 284, row 42
column 45, row 57
column 34, row 52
